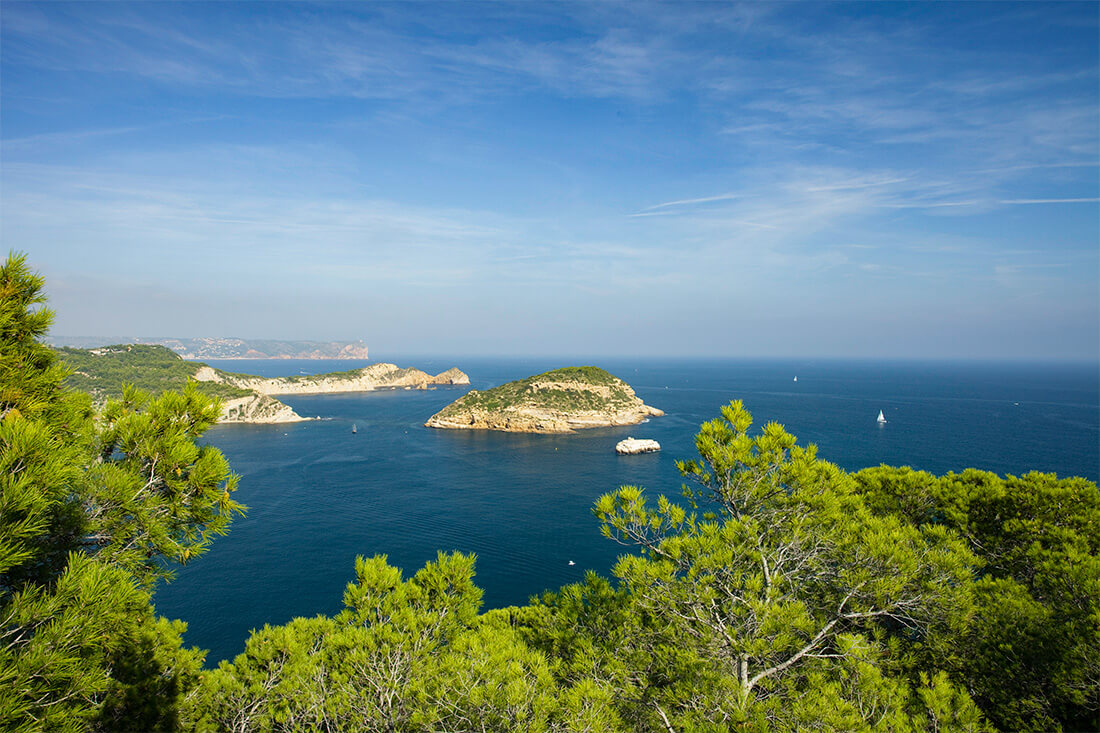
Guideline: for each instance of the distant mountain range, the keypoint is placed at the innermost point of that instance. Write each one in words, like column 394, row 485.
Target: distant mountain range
column 230, row 348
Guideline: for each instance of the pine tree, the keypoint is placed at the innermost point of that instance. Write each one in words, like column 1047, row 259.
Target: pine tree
column 93, row 509
column 771, row 598
column 1029, row 656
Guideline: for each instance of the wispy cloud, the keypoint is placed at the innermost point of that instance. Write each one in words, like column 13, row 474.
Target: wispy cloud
column 844, row 185
column 1039, row 166
column 689, row 202
column 1014, row 202
column 928, row 204
column 68, row 137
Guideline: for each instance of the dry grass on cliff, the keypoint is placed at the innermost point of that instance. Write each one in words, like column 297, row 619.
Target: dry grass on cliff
column 574, row 389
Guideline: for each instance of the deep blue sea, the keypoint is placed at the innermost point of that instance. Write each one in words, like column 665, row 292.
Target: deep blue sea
column 318, row 495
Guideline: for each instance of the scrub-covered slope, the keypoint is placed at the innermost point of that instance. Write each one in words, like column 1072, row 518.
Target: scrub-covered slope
column 558, row 401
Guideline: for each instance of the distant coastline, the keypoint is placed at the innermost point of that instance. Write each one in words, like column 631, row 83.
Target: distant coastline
column 198, row 349
column 103, row 373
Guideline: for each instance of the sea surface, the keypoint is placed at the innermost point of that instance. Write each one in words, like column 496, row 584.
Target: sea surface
column 318, row 495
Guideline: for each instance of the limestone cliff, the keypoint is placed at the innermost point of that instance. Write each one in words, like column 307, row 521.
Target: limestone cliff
column 559, row 401
column 375, row 376
column 261, row 407
column 104, row 373
column 257, row 408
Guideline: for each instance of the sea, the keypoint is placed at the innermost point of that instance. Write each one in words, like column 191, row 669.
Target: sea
column 319, row 494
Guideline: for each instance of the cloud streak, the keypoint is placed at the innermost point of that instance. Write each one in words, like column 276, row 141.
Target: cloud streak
column 1016, row 202
column 692, row 202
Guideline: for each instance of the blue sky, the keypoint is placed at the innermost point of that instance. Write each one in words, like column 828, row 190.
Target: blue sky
column 808, row 179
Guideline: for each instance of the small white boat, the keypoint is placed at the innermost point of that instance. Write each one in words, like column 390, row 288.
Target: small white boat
column 881, row 417
column 354, row 429
column 796, row 379
column 572, row 563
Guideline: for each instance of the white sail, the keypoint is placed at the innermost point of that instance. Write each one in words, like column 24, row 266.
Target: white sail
column 881, row 417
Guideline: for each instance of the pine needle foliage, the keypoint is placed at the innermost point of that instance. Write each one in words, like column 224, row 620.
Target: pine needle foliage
column 94, row 509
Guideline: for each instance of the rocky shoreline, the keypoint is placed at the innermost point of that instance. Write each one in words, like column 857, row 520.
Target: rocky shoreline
column 634, row 446
column 258, row 409
column 562, row 401
column 375, row 376
column 535, row 420
column 262, row 407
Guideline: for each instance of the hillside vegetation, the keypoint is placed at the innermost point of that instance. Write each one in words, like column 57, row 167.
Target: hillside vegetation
column 567, row 390
column 103, row 371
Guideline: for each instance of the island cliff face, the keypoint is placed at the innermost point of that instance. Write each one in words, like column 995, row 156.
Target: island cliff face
column 560, row 401
column 258, row 408
column 375, row 376
column 104, row 372
column 261, row 407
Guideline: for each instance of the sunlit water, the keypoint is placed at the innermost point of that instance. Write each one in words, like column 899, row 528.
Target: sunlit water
column 318, row 495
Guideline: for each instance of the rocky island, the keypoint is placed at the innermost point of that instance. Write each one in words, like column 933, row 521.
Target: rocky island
column 559, row 401
column 634, row 446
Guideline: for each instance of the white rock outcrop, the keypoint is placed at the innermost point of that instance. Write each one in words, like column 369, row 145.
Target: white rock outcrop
column 375, row 376
column 633, row 446
column 261, row 407
column 258, row 408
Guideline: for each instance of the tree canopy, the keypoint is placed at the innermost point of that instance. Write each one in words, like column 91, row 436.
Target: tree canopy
column 1029, row 656
column 94, row 508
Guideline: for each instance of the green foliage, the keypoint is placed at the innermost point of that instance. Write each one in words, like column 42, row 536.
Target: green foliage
column 59, row 641
column 105, row 372
column 1030, row 654
column 773, row 600
column 155, row 494
column 566, row 389
column 92, row 510
column 403, row 655
column 786, row 585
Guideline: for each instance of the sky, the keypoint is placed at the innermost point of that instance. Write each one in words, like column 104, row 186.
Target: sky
column 873, row 180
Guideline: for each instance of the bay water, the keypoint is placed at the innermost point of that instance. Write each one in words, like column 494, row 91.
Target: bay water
column 319, row 494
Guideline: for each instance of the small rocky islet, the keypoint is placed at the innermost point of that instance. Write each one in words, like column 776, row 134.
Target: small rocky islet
column 559, row 401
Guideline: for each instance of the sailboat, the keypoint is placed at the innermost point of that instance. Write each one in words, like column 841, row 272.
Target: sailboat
column 354, row 429
column 881, row 417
